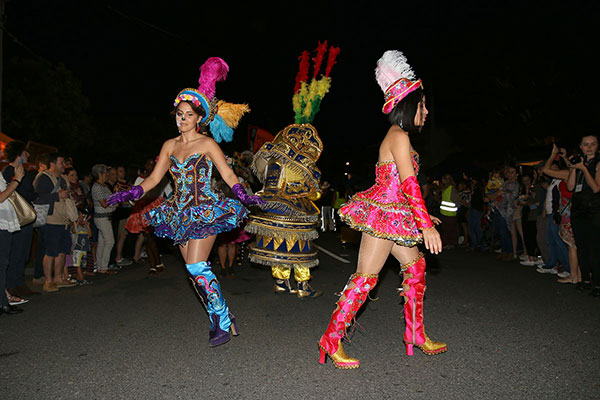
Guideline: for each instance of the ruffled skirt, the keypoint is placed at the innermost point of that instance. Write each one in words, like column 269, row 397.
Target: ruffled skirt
column 195, row 222
column 136, row 222
column 383, row 213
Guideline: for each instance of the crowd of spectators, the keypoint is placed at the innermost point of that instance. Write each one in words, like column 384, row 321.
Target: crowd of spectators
column 81, row 236
column 545, row 216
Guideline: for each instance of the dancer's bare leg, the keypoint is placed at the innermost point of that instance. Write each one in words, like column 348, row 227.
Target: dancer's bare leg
column 137, row 254
column 197, row 250
column 231, row 250
column 372, row 254
column 403, row 254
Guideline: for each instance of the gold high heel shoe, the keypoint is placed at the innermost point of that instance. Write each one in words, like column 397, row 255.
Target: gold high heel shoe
column 431, row 347
column 339, row 358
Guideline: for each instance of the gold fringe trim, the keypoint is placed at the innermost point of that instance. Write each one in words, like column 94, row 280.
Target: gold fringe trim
column 411, row 263
column 276, row 263
column 275, row 205
column 282, row 233
column 402, row 240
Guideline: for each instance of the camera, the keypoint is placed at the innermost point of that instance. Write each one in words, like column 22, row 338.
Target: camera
column 576, row 159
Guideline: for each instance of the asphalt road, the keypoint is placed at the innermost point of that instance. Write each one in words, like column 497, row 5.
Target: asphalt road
column 512, row 334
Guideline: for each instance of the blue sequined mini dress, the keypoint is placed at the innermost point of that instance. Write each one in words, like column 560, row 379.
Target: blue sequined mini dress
column 194, row 210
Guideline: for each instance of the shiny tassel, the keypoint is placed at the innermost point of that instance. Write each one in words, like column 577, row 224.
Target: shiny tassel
column 220, row 130
column 232, row 113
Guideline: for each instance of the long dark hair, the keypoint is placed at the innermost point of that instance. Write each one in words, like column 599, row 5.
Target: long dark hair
column 403, row 114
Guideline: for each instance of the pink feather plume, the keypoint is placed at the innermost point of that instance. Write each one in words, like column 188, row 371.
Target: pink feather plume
column 333, row 53
column 212, row 71
column 302, row 75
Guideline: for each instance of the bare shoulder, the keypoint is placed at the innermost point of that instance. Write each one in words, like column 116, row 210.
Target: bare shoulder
column 397, row 138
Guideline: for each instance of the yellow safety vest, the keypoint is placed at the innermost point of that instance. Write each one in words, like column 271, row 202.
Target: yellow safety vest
column 447, row 207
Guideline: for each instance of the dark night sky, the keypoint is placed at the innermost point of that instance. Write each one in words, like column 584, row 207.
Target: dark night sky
column 470, row 54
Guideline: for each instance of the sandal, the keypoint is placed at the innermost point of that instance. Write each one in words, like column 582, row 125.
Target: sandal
column 157, row 269
column 107, row 272
column 15, row 300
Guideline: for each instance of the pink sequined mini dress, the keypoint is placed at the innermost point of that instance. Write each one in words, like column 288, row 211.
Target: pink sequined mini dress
column 383, row 210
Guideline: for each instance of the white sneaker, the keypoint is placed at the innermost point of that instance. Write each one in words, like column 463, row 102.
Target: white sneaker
column 563, row 274
column 123, row 262
column 524, row 257
column 539, row 262
column 543, row 270
column 527, row 263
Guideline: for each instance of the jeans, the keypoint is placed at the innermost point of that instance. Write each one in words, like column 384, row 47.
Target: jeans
column 501, row 228
column 474, row 227
column 556, row 246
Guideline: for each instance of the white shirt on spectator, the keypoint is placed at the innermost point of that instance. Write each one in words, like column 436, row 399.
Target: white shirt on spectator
column 8, row 217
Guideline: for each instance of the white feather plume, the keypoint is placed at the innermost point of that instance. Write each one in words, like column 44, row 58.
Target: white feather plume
column 391, row 67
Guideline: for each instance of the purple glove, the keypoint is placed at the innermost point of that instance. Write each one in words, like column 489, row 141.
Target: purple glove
column 125, row 195
column 241, row 194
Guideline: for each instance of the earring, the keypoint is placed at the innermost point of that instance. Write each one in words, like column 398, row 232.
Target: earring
column 197, row 127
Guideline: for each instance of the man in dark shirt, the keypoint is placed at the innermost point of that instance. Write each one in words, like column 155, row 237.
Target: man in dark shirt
column 51, row 188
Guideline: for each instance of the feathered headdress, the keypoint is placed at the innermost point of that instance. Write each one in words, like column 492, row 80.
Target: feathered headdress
column 221, row 117
column 396, row 78
column 307, row 97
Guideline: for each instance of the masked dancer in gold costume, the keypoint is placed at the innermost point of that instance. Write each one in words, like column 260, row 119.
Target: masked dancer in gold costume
column 287, row 168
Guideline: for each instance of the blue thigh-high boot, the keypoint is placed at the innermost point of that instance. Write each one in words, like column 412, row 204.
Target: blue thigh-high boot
column 208, row 288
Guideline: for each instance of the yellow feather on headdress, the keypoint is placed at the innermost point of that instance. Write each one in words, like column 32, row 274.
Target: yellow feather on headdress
column 308, row 109
column 296, row 102
column 232, row 113
column 323, row 86
column 312, row 91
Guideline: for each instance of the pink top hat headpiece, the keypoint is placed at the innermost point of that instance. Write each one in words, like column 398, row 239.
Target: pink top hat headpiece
column 396, row 78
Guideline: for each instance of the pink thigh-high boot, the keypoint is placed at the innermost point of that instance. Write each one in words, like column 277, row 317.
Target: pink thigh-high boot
column 352, row 298
column 413, row 289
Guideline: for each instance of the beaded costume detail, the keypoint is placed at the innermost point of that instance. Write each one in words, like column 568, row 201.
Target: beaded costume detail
column 383, row 210
column 194, row 211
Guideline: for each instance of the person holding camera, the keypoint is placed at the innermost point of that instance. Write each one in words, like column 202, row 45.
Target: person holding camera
column 562, row 215
column 584, row 181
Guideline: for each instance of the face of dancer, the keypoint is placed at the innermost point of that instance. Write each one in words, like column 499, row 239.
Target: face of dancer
column 421, row 114
column 186, row 118
column 589, row 146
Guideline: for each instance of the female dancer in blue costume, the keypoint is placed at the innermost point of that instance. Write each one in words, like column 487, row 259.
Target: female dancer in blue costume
column 195, row 213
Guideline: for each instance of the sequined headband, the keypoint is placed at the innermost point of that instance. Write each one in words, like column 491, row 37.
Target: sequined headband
column 397, row 91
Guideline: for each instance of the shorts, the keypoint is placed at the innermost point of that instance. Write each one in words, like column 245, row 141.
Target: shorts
column 57, row 239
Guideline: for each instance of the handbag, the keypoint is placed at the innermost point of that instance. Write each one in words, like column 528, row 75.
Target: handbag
column 42, row 213
column 67, row 209
column 25, row 212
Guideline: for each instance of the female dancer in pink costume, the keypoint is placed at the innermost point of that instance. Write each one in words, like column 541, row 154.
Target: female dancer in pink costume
column 392, row 217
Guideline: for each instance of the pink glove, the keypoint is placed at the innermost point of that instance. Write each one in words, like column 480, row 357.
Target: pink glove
column 241, row 194
column 125, row 195
column 411, row 189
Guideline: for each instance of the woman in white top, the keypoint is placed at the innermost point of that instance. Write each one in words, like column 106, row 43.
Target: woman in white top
column 9, row 223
